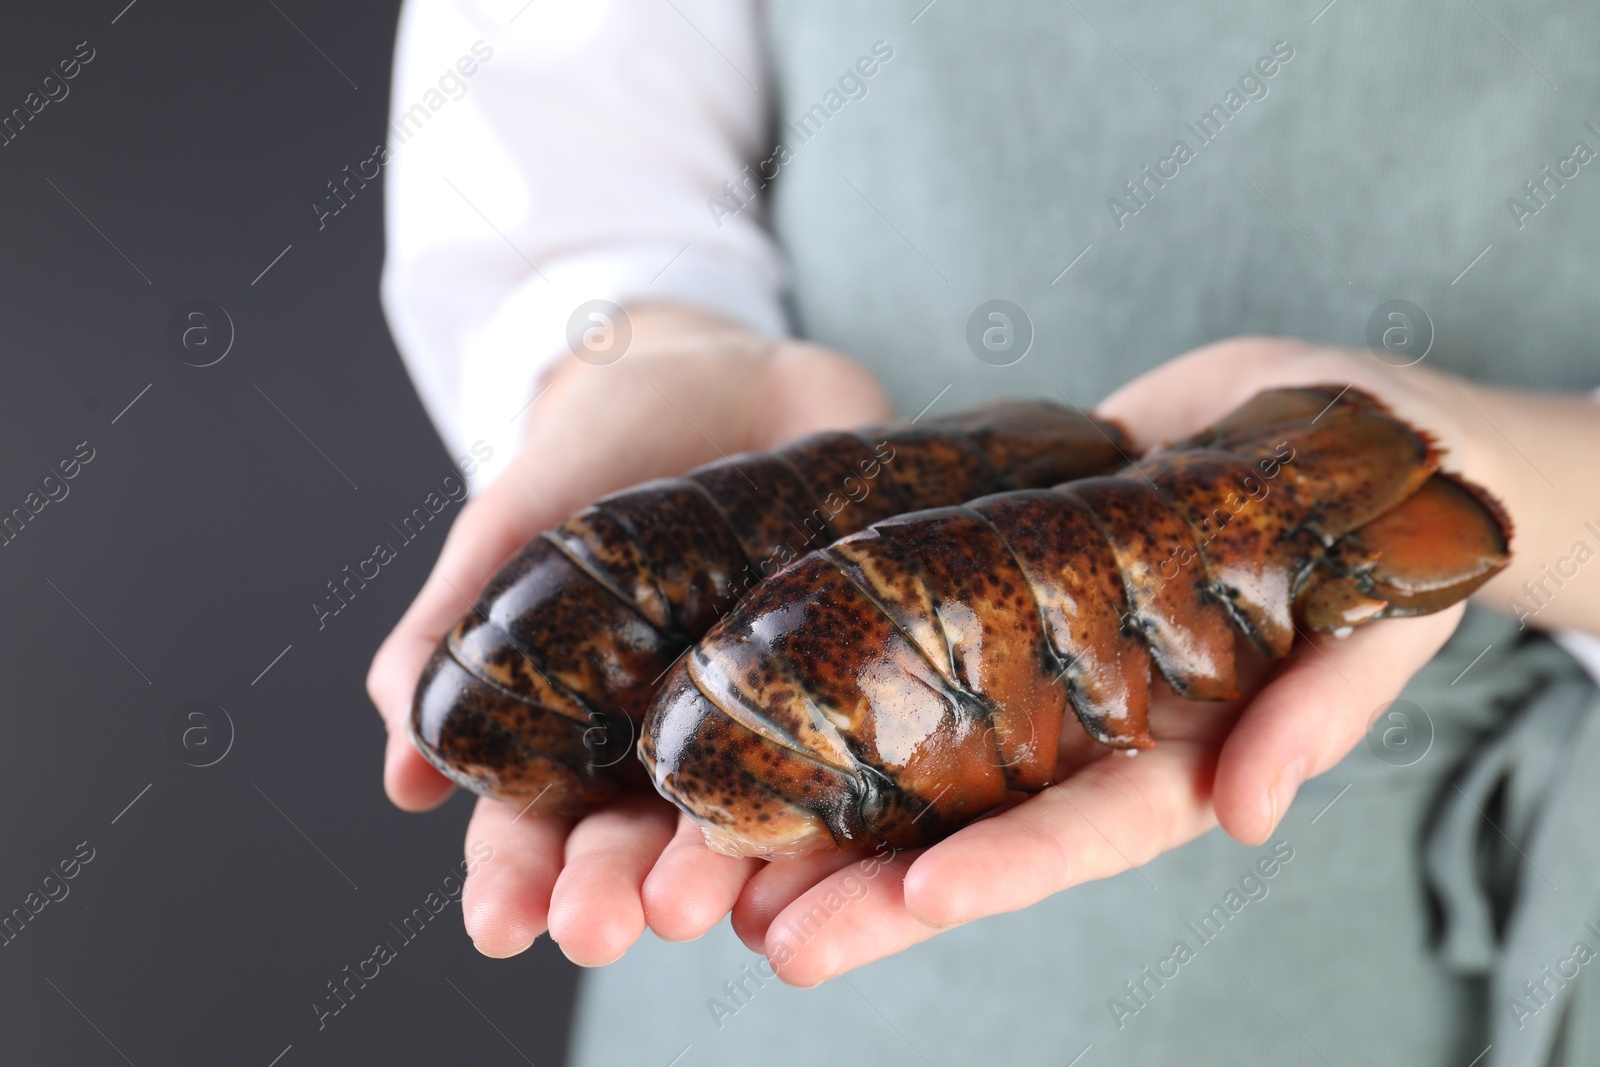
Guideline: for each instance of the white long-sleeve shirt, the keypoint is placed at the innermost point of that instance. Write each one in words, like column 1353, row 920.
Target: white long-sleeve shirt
column 573, row 163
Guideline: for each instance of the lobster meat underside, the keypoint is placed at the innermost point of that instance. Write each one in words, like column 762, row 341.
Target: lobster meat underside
column 908, row 678
column 538, row 692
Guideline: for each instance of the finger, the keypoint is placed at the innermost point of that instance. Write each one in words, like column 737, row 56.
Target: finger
column 1310, row 715
column 596, row 908
column 517, row 856
column 475, row 547
column 691, row 888
column 775, row 886
column 1114, row 814
column 853, row 916
column 410, row 781
column 1188, row 393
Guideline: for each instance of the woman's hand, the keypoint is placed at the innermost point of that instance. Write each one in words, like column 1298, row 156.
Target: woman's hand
column 690, row 389
column 1238, row 763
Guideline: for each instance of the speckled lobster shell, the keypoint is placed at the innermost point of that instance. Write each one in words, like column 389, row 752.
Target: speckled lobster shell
column 536, row 695
column 904, row 680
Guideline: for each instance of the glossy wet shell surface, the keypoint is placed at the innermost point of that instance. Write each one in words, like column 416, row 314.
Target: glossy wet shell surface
column 538, row 693
column 912, row 676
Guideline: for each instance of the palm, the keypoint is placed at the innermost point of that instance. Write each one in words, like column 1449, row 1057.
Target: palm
column 670, row 405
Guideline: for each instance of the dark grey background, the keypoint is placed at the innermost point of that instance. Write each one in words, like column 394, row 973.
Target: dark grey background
column 187, row 553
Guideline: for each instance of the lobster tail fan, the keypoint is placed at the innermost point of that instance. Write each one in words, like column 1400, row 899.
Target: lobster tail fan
column 1433, row 550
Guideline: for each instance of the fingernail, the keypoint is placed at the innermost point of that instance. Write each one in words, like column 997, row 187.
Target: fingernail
column 513, row 946
column 1282, row 794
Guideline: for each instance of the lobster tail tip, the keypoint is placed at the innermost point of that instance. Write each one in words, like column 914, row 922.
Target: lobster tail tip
column 497, row 746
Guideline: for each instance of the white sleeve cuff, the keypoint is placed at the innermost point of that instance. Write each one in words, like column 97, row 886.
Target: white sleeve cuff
column 503, row 362
column 1585, row 648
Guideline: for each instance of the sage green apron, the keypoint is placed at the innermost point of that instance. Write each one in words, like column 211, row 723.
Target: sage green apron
column 1434, row 899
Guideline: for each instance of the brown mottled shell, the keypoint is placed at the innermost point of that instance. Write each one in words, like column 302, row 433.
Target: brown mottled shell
column 902, row 681
column 537, row 693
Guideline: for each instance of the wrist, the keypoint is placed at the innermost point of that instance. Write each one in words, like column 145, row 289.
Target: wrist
column 1478, row 450
column 665, row 326
column 662, row 331
column 655, row 335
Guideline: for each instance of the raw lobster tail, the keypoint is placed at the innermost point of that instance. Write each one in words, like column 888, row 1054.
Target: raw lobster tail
column 538, row 691
column 900, row 682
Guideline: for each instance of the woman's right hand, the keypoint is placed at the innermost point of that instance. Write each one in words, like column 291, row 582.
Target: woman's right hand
column 691, row 389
